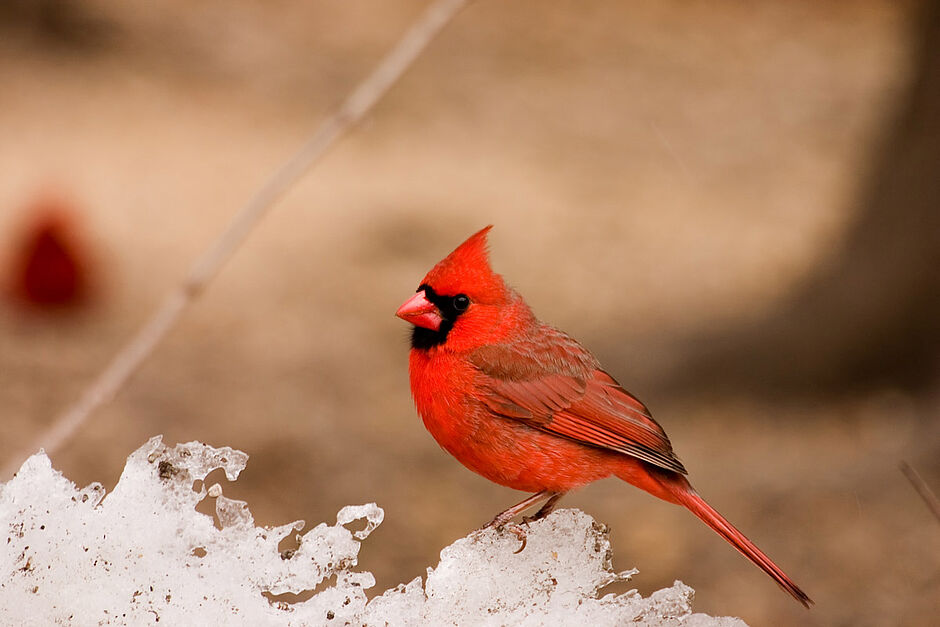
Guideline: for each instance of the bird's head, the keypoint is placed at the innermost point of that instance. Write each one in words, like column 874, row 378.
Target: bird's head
column 460, row 300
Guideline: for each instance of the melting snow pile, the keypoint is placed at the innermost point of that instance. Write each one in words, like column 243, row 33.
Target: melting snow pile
column 143, row 555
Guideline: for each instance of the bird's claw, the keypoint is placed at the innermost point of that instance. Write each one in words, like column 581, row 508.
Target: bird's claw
column 512, row 528
column 519, row 532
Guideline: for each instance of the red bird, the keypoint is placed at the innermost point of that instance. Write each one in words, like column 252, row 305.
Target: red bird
column 526, row 406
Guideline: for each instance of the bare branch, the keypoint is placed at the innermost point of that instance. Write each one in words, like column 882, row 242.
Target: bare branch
column 126, row 362
column 922, row 488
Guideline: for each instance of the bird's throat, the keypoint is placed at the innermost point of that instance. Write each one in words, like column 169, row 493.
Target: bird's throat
column 424, row 339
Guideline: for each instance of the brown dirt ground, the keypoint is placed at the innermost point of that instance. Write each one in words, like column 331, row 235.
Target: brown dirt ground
column 703, row 156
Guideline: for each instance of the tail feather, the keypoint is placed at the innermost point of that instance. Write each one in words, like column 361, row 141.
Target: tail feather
column 687, row 497
column 675, row 488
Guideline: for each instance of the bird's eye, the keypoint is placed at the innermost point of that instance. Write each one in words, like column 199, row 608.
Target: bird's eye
column 461, row 302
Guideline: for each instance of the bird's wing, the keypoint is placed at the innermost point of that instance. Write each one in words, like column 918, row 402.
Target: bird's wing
column 556, row 386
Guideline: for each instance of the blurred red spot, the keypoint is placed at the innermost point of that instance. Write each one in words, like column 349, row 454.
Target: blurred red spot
column 49, row 265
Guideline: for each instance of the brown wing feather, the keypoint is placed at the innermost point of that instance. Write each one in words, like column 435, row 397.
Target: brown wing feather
column 557, row 386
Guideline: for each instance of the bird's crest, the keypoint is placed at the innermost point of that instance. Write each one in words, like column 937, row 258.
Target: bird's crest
column 467, row 271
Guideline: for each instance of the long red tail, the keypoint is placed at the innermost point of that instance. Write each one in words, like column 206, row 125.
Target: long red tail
column 697, row 505
column 673, row 487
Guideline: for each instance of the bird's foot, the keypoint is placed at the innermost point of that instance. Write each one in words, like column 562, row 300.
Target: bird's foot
column 501, row 523
column 539, row 515
column 519, row 532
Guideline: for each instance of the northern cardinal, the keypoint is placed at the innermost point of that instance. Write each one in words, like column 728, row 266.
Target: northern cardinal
column 526, row 406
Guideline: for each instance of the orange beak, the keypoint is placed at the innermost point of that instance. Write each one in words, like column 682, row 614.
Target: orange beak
column 421, row 312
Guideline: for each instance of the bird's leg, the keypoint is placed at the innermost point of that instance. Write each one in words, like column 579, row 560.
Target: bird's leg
column 546, row 509
column 504, row 517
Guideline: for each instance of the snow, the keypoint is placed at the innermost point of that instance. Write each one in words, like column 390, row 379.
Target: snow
column 143, row 555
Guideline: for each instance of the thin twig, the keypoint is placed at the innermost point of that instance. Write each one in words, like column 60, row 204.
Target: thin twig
column 126, row 362
column 922, row 488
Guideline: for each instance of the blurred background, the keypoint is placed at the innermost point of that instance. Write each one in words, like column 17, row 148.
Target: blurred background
column 734, row 205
